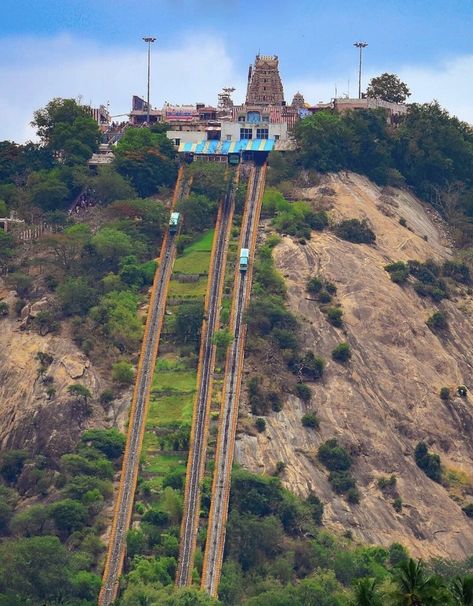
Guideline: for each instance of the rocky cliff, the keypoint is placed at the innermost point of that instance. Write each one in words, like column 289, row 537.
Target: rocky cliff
column 386, row 399
column 43, row 422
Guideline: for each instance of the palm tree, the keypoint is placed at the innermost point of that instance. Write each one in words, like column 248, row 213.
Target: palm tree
column 414, row 587
column 366, row 593
column 462, row 590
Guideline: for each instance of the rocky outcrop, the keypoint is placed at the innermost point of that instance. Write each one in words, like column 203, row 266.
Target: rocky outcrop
column 386, row 399
column 47, row 422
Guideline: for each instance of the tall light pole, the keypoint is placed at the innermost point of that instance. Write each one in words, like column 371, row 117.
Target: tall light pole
column 361, row 46
column 148, row 40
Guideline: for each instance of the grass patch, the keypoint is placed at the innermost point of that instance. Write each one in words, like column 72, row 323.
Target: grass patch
column 196, row 257
column 159, row 465
column 174, row 380
column 169, row 409
column 188, row 289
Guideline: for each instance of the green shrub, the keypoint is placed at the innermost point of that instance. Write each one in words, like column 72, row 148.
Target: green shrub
column 330, row 287
column 286, row 339
column 309, row 366
column 437, row 321
column 429, row 463
column 260, row 424
column 402, row 222
column 334, row 316
column 445, row 393
column 303, row 392
column 106, row 397
column 123, row 372
column 310, row 420
column 324, row 297
column 353, row 496
column 384, row 482
column 398, row 272
column 468, row 509
column 3, row 309
column 108, row 441
column 341, row 481
column 342, row 352
column 11, row 464
column 355, row 231
column 314, row 285
column 318, row 220
column 333, row 456
column 457, row 270
column 397, row 504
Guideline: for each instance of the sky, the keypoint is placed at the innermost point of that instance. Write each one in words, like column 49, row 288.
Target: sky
column 93, row 50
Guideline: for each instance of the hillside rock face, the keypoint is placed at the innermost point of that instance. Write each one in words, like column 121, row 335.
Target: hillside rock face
column 386, row 399
column 28, row 417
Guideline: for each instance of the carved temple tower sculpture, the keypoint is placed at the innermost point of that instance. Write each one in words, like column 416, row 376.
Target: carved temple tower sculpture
column 264, row 82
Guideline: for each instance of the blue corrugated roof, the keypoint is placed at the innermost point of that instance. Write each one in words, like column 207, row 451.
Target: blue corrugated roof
column 227, row 147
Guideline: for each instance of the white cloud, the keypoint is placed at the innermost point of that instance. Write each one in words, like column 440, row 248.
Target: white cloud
column 34, row 71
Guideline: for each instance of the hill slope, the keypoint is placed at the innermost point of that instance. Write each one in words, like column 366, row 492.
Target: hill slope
column 386, row 399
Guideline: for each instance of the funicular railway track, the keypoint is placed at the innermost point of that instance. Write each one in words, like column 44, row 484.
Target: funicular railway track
column 213, row 556
column 200, row 421
column 139, row 409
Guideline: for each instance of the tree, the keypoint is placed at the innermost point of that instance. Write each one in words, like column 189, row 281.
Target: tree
column 389, row 88
column 76, row 296
column 20, row 282
column 188, row 322
column 80, row 391
column 109, row 441
column 7, row 246
column 198, row 212
column 116, row 316
column 366, row 593
column 112, row 244
column 11, row 464
column 148, row 214
column 30, row 521
column 47, row 190
column 146, row 158
column 414, row 587
column 68, row 515
column 222, row 338
column 36, row 570
column 135, row 542
column 5, row 514
column 67, row 129
column 109, row 186
column 69, row 245
column 86, row 585
column 462, row 590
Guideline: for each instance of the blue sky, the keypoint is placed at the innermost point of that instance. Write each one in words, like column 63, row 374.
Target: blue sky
column 93, row 49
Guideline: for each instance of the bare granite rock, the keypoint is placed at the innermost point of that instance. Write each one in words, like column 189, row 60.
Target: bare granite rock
column 386, row 399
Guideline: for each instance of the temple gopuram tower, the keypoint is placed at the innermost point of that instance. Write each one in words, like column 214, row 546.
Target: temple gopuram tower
column 264, row 82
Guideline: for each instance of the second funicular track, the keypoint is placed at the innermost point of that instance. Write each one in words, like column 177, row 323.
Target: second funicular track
column 200, row 423
column 229, row 411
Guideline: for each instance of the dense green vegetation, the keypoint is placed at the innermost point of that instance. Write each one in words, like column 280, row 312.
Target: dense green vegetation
column 428, row 150
column 50, row 549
